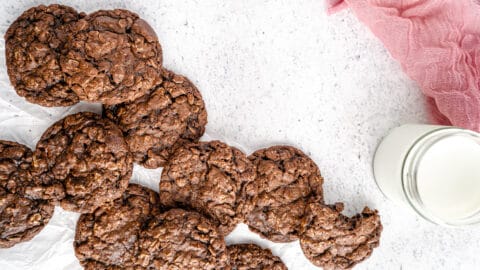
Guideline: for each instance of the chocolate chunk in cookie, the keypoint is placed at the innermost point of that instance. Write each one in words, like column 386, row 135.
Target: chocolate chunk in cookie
column 82, row 161
column 108, row 237
column 113, row 57
column 334, row 241
column 208, row 177
column 21, row 217
column 250, row 256
column 154, row 124
column 180, row 239
column 286, row 181
column 34, row 45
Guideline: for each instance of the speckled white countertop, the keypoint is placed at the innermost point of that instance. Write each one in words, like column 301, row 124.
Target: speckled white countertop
column 271, row 72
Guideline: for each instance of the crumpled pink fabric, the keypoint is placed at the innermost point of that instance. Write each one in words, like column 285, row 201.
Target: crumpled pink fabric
column 438, row 45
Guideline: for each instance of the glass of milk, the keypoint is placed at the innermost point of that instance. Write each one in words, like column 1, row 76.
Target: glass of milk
column 434, row 170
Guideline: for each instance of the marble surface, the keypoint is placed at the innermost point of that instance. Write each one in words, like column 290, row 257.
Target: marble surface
column 270, row 72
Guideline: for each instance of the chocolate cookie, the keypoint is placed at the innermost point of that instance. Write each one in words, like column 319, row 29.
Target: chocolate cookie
column 21, row 217
column 180, row 239
column 34, row 44
column 171, row 114
column 251, row 257
column 113, row 57
column 108, row 236
column 333, row 241
column 82, row 161
column 208, row 177
column 287, row 180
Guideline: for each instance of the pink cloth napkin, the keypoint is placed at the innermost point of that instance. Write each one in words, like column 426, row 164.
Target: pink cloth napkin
column 438, row 45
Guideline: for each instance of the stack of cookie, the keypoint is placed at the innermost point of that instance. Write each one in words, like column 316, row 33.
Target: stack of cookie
column 155, row 118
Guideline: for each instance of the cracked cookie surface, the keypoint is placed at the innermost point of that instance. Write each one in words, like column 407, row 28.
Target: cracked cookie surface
column 82, row 161
column 208, row 177
column 180, row 239
column 34, row 44
column 21, row 217
column 113, row 57
column 253, row 257
column 286, row 181
column 108, row 237
column 334, row 241
column 156, row 123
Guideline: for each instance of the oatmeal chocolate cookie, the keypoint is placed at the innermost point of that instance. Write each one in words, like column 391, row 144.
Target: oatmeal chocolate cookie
column 250, row 256
column 208, row 177
column 333, row 241
column 82, row 161
column 180, row 239
column 108, row 236
column 34, row 44
column 171, row 114
column 113, row 57
column 21, row 217
column 286, row 181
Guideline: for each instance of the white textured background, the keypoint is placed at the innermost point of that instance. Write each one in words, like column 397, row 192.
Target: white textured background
column 270, row 72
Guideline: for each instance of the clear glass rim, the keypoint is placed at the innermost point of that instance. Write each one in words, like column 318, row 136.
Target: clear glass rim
column 410, row 168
